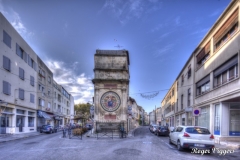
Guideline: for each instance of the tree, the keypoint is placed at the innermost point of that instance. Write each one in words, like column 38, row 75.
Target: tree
column 82, row 109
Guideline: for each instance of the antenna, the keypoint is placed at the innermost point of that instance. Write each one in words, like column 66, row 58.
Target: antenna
column 118, row 46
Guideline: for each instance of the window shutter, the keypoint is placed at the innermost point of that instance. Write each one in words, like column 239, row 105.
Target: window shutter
column 6, row 63
column 29, row 60
column 21, row 73
column 230, row 63
column 25, row 56
column 21, row 94
column 232, row 20
column 34, row 66
column 9, row 89
column 32, row 98
column 203, row 81
column 7, row 39
column 18, row 50
column 32, row 80
column 203, row 52
column 5, row 89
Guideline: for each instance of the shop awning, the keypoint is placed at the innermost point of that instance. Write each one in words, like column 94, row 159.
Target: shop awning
column 44, row 115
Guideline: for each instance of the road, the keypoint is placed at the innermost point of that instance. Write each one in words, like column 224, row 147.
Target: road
column 143, row 146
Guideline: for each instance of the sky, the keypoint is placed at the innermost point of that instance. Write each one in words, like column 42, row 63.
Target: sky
column 160, row 35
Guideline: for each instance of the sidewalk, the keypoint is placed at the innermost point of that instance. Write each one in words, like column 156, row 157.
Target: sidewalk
column 16, row 136
column 228, row 145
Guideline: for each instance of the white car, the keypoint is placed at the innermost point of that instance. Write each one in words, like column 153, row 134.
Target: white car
column 191, row 137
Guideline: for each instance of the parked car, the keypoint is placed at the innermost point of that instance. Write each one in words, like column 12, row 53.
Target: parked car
column 48, row 129
column 153, row 127
column 191, row 137
column 89, row 126
column 162, row 131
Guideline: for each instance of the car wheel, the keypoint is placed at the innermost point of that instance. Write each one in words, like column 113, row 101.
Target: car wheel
column 179, row 147
column 170, row 142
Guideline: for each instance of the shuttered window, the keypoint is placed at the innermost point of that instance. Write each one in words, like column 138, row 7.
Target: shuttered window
column 6, row 63
column 19, row 51
column 21, row 73
column 203, row 53
column 7, row 39
column 227, row 30
column 32, row 80
column 21, row 94
column 32, row 98
column 6, row 88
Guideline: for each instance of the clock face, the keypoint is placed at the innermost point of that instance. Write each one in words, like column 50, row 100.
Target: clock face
column 110, row 101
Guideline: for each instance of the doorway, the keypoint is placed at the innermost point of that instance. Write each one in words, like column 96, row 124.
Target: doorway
column 20, row 123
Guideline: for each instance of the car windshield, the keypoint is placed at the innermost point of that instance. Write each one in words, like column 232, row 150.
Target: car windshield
column 197, row 130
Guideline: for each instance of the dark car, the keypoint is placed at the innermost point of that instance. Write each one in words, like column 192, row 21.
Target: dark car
column 89, row 126
column 48, row 129
column 162, row 131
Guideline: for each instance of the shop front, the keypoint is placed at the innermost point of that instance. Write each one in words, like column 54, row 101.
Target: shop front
column 6, row 121
column 58, row 121
column 43, row 119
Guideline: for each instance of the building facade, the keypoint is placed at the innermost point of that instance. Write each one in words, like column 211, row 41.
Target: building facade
column 111, row 86
column 26, row 95
column 18, row 82
column 208, row 86
column 217, row 84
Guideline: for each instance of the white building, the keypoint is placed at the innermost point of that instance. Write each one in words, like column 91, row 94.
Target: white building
column 18, row 96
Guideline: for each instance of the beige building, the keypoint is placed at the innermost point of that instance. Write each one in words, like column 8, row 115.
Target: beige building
column 184, row 94
column 217, row 84
column 63, row 105
column 208, row 86
column 18, row 96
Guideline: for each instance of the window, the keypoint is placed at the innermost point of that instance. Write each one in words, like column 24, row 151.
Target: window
column 189, row 95
column 32, row 98
column 31, row 80
column 226, row 31
column 21, row 94
column 183, row 121
column 49, row 93
column 182, row 101
column 30, row 121
column 19, row 111
column 49, row 80
column 217, row 120
column 31, row 113
column 189, row 71
column 203, row 85
column 7, row 39
column 41, row 102
column 182, row 79
column 177, row 106
column 21, row 73
column 19, row 51
column 6, row 63
column 203, row 55
column 6, row 88
column 173, row 92
column 226, row 72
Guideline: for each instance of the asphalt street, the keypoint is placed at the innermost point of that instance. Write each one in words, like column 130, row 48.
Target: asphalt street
column 142, row 146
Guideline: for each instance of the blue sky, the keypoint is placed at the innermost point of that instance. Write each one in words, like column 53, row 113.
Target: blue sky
column 160, row 35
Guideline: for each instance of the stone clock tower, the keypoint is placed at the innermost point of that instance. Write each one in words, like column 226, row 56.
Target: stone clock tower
column 111, row 85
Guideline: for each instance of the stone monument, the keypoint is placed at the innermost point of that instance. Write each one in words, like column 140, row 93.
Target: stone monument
column 111, row 86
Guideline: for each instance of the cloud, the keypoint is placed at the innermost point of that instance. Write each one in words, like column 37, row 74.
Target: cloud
column 127, row 10
column 79, row 86
column 215, row 13
column 15, row 20
column 161, row 52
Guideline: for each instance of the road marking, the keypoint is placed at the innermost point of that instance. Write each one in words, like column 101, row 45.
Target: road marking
column 168, row 145
column 147, row 142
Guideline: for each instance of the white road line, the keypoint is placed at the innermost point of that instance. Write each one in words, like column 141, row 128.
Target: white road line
column 168, row 145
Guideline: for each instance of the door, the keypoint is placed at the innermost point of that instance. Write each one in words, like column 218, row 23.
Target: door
column 3, row 124
column 20, row 123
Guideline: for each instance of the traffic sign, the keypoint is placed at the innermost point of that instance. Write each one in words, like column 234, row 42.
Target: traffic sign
column 196, row 112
